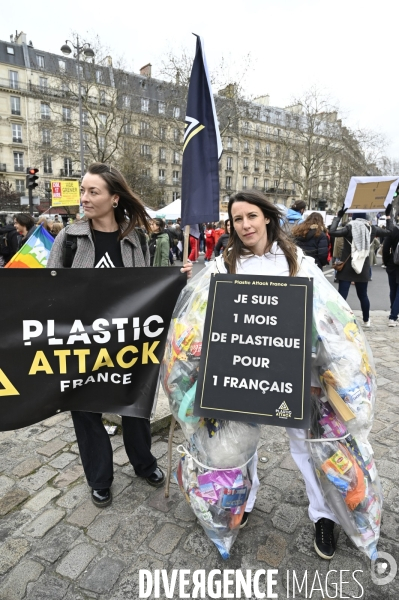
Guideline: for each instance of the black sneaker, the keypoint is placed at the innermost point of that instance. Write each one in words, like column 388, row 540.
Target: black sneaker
column 157, row 478
column 324, row 542
column 244, row 519
column 101, row 498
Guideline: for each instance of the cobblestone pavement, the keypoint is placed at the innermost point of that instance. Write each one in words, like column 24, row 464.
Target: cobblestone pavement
column 55, row 544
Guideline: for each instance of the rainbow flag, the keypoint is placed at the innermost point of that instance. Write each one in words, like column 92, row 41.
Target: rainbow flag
column 34, row 253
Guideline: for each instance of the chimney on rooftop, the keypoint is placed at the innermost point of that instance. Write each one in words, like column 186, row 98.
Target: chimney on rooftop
column 20, row 38
column 146, row 70
column 264, row 100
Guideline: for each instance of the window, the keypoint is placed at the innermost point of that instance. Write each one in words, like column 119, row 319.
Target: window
column 256, row 166
column 47, row 189
column 79, row 70
column 257, row 147
column 45, row 110
column 161, row 108
column 43, row 83
column 162, row 133
column 255, row 183
column 85, row 117
column 258, row 129
column 13, row 78
column 127, row 129
column 277, row 170
column 246, row 164
column 61, row 65
column 15, row 105
column 99, row 76
column 40, row 61
column 162, row 154
column 267, row 165
column 101, row 142
column 10, row 50
column 16, row 133
column 176, row 112
column 175, row 196
column 265, row 184
column 86, row 142
column 145, row 104
column 18, row 161
column 144, row 128
column 230, row 143
column 276, row 183
column 46, row 137
column 228, row 183
column 145, row 150
column 176, row 135
column 66, row 90
column 68, row 169
column 145, row 172
column 244, row 182
column 66, row 114
column 285, row 185
column 67, row 139
column 102, row 97
column 176, row 157
column 161, row 173
column 278, row 150
column 126, row 101
column 176, row 175
column 267, row 149
column 20, row 186
column 47, row 164
column 103, row 120
column 229, row 163
column 293, row 187
column 278, row 132
column 246, row 146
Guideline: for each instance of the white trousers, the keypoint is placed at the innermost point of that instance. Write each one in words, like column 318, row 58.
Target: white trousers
column 300, row 452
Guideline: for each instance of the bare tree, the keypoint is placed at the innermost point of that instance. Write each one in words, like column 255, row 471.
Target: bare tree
column 10, row 200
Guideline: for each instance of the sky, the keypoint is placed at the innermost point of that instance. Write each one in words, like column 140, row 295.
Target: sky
column 347, row 48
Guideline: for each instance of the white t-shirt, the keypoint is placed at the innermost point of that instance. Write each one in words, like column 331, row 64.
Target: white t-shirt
column 271, row 263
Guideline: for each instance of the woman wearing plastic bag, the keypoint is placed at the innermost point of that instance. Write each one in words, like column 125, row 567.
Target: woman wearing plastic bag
column 342, row 362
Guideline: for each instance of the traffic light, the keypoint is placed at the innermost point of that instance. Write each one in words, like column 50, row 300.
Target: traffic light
column 31, row 178
column 396, row 193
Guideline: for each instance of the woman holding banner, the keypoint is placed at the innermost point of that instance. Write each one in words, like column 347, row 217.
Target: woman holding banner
column 109, row 236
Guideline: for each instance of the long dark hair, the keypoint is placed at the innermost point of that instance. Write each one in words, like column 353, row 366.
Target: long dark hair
column 129, row 205
column 313, row 221
column 275, row 233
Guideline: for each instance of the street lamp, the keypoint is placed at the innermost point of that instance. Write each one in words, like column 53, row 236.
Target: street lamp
column 89, row 53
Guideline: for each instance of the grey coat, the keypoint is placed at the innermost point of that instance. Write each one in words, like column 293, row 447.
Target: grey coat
column 85, row 252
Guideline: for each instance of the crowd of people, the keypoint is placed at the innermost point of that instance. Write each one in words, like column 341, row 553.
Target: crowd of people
column 257, row 238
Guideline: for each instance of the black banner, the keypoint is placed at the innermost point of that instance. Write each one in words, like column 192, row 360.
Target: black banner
column 82, row 339
column 256, row 351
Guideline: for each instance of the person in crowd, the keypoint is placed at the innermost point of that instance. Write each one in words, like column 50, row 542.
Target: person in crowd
column 25, row 226
column 107, row 237
column 159, row 244
column 56, row 228
column 202, row 238
column 218, row 231
column 9, row 243
column 374, row 247
column 310, row 235
column 209, row 241
column 388, row 249
column 358, row 233
column 295, row 213
column 194, row 249
column 224, row 239
column 44, row 221
column 259, row 245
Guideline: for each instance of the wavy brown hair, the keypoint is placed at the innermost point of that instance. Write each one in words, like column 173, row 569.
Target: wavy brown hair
column 275, row 233
column 129, row 205
column 312, row 221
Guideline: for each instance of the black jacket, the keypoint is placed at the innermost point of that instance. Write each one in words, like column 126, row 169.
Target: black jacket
column 388, row 249
column 314, row 246
column 12, row 241
column 222, row 243
column 348, row 273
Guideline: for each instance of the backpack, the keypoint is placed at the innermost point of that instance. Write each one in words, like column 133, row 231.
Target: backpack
column 70, row 247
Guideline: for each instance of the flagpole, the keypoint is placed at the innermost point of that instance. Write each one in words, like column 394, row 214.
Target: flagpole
column 186, row 243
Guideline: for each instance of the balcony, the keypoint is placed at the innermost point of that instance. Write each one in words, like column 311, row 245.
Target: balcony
column 66, row 173
column 161, row 160
column 3, row 168
column 17, row 140
column 175, row 181
column 245, row 167
column 162, row 180
column 48, row 170
column 176, row 162
column 146, row 156
column 45, row 117
column 15, row 112
column 19, row 168
column 256, row 169
column 229, row 168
